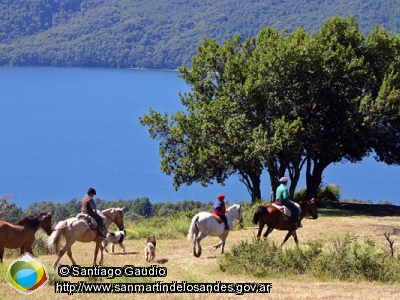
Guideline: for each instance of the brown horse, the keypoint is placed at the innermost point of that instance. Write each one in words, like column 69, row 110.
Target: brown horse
column 272, row 217
column 22, row 233
column 75, row 229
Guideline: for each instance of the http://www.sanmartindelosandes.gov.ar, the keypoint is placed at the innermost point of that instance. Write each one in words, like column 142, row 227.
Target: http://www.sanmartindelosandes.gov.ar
column 26, row 274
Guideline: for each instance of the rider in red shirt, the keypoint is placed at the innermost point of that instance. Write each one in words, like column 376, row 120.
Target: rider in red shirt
column 219, row 209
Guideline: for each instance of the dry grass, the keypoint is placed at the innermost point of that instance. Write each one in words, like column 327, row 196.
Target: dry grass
column 176, row 256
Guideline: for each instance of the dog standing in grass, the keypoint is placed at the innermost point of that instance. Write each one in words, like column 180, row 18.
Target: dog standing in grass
column 113, row 239
column 150, row 249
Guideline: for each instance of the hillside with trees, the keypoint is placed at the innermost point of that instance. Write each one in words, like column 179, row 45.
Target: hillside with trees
column 158, row 34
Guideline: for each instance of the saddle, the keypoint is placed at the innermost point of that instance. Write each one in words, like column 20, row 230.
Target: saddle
column 285, row 211
column 218, row 219
column 88, row 219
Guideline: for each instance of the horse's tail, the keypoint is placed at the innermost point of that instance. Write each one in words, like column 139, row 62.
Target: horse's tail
column 193, row 231
column 259, row 213
column 53, row 242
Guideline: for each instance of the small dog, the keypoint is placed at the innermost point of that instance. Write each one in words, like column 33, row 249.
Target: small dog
column 114, row 238
column 150, row 249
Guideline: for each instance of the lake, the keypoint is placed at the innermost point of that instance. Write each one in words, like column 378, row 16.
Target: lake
column 66, row 129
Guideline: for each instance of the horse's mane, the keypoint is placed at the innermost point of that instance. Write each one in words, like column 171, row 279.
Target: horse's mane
column 33, row 221
column 113, row 209
column 234, row 205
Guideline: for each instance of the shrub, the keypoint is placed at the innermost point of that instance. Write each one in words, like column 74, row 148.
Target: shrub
column 347, row 260
column 39, row 247
column 261, row 258
column 162, row 227
column 328, row 192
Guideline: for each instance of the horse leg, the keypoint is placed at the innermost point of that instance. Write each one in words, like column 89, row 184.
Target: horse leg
column 66, row 248
column 101, row 256
column 287, row 236
column 223, row 244
column 28, row 248
column 69, row 253
column 96, row 251
column 1, row 254
column 295, row 237
column 268, row 231
column 194, row 249
column 261, row 225
column 202, row 236
column 217, row 246
column 21, row 250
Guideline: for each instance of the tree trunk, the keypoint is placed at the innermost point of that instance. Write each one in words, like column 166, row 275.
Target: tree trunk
column 256, row 192
column 294, row 174
column 252, row 181
column 314, row 176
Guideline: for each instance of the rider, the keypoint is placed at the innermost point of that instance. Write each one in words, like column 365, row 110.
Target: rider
column 282, row 194
column 89, row 208
column 219, row 209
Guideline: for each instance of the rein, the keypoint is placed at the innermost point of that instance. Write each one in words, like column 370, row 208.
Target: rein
column 240, row 215
column 120, row 228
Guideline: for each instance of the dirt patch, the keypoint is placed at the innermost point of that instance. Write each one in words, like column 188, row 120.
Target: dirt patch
column 392, row 230
column 378, row 210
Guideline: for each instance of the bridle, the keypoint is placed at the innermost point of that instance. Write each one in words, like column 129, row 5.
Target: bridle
column 310, row 207
column 122, row 224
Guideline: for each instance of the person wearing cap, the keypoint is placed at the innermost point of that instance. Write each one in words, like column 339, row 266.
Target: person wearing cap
column 282, row 194
column 219, row 209
column 89, row 208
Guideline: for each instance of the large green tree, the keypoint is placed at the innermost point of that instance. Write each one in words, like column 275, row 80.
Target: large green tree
column 214, row 138
column 343, row 118
column 282, row 101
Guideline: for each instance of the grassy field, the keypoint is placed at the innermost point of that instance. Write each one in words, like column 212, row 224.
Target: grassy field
column 175, row 254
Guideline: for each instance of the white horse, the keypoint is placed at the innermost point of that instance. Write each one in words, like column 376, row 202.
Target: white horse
column 206, row 223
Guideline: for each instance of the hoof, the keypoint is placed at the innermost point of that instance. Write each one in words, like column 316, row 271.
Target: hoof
column 197, row 255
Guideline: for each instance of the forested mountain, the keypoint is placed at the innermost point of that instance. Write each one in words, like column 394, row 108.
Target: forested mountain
column 157, row 33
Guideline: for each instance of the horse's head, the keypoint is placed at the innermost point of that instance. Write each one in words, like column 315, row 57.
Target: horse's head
column 116, row 215
column 239, row 213
column 45, row 222
column 312, row 208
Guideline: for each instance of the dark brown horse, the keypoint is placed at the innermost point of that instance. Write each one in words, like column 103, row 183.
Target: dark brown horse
column 22, row 233
column 272, row 217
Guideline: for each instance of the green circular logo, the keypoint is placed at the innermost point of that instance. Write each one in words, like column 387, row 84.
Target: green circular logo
column 26, row 274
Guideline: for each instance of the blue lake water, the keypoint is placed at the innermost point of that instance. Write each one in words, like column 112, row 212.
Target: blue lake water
column 63, row 130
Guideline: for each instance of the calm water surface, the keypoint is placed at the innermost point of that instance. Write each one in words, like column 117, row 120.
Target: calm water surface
column 65, row 129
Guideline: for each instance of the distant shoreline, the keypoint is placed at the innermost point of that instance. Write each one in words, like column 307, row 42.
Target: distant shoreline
column 380, row 210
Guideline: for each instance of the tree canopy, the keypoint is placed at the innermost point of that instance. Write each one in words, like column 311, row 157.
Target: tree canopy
column 283, row 102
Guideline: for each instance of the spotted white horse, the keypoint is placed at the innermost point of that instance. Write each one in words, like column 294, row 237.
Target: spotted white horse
column 206, row 223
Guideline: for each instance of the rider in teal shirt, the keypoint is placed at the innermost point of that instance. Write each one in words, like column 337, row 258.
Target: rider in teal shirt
column 282, row 194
